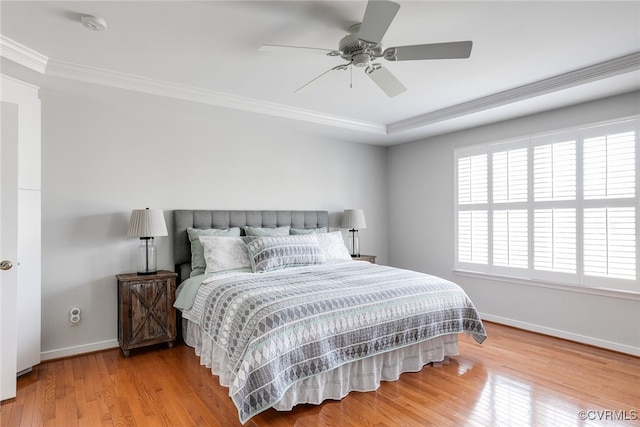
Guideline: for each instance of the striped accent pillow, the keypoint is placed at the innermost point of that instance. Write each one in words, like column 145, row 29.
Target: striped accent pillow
column 269, row 253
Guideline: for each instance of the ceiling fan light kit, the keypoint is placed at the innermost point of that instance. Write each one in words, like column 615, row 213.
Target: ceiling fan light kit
column 363, row 45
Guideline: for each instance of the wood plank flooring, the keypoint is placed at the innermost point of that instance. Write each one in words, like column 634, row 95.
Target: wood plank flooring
column 515, row 378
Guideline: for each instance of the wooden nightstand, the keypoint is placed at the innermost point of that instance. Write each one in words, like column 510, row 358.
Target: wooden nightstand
column 145, row 309
column 370, row 258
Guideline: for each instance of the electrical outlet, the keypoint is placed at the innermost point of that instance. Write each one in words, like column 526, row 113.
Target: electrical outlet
column 74, row 315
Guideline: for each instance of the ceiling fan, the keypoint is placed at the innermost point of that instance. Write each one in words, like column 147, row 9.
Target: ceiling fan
column 363, row 45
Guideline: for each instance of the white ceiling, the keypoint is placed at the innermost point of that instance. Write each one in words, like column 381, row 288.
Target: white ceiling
column 527, row 57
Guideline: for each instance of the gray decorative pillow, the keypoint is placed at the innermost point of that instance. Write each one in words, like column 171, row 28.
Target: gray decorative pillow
column 295, row 231
column 266, row 231
column 332, row 246
column 225, row 253
column 198, row 264
column 269, row 253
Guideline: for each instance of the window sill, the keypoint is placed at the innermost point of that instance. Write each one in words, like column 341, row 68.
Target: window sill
column 612, row 293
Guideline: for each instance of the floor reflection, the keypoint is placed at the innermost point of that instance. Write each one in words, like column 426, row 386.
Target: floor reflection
column 510, row 401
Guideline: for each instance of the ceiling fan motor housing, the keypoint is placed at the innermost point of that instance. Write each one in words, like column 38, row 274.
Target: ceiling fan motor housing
column 358, row 52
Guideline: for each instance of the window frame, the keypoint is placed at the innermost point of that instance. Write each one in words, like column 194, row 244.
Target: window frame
column 577, row 280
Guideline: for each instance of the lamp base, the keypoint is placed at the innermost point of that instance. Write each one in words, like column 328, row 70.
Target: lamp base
column 354, row 243
column 147, row 257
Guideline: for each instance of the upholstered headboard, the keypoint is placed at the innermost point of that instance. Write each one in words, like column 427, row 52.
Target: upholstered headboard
column 183, row 219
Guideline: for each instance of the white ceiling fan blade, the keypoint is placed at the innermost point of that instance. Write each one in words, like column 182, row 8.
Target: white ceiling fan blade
column 324, row 77
column 376, row 21
column 298, row 50
column 385, row 80
column 429, row 51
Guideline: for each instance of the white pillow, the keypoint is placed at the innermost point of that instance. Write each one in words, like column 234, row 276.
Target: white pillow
column 197, row 253
column 332, row 245
column 224, row 253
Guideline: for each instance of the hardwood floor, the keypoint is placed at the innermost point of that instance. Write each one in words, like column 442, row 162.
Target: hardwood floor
column 514, row 378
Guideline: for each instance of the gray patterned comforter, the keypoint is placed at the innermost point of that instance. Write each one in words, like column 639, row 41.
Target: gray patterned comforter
column 284, row 326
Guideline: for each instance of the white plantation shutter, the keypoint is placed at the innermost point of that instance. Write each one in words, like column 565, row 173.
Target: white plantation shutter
column 609, row 242
column 554, row 240
column 609, row 166
column 554, row 171
column 472, row 244
column 510, row 193
column 610, row 239
column 554, row 204
column 473, row 237
column 510, row 238
column 510, row 178
column 562, row 207
column 472, row 179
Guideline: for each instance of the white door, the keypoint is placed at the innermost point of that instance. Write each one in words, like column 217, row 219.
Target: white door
column 8, row 248
column 20, row 293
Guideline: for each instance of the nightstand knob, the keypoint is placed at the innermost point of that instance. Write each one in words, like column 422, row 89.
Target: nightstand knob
column 6, row 265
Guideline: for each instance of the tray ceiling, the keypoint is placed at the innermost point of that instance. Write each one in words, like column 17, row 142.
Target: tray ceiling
column 527, row 57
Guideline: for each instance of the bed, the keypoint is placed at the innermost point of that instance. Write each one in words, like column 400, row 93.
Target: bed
column 276, row 308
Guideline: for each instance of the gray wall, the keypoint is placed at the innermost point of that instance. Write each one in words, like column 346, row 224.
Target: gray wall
column 421, row 192
column 106, row 152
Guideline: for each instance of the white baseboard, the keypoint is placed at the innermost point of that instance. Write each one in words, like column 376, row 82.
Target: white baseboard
column 105, row 345
column 596, row 342
column 80, row 349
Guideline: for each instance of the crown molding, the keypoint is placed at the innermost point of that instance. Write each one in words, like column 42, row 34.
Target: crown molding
column 190, row 93
column 603, row 70
column 29, row 58
column 22, row 55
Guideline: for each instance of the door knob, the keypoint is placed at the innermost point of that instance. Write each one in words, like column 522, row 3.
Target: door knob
column 5, row 265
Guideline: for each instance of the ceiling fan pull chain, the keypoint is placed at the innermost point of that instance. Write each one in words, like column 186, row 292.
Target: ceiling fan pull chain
column 351, row 77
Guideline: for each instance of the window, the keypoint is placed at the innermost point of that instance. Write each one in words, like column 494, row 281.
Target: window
column 562, row 207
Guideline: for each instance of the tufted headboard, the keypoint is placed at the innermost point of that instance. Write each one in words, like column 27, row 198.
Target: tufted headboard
column 183, row 219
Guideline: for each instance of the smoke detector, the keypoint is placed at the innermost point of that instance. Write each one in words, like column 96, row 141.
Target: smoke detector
column 94, row 23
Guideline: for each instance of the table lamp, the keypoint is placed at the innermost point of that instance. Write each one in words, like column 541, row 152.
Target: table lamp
column 147, row 224
column 353, row 219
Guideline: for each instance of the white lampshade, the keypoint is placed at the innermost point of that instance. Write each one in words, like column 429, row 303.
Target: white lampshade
column 147, row 223
column 353, row 219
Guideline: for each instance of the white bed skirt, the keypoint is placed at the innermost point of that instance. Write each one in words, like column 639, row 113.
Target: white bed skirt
column 361, row 375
